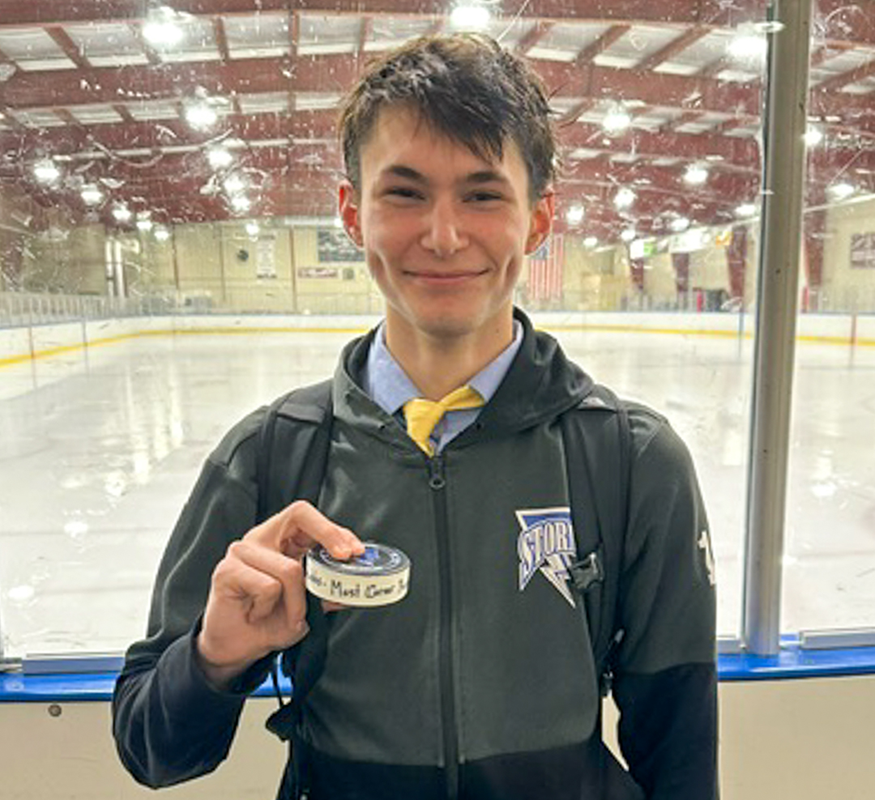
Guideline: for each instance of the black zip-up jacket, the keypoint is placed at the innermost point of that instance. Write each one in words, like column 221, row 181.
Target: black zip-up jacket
column 481, row 683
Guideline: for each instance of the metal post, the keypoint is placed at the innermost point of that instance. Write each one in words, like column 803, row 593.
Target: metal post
column 780, row 245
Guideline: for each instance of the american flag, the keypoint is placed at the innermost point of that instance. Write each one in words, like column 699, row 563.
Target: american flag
column 545, row 271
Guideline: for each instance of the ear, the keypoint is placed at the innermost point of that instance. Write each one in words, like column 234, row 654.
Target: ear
column 348, row 207
column 541, row 221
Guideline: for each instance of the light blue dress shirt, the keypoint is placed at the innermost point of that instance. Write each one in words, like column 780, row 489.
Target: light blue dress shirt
column 389, row 386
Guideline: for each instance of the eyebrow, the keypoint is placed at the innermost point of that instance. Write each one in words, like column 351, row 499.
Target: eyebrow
column 481, row 176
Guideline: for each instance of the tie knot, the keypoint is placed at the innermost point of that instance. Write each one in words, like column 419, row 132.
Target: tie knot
column 422, row 415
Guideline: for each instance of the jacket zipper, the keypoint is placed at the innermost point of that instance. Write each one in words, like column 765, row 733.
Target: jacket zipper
column 438, row 483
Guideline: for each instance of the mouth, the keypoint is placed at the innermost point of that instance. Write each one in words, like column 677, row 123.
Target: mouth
column 438, row 278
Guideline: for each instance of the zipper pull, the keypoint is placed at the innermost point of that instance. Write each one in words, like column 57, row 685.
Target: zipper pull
column 436, row 480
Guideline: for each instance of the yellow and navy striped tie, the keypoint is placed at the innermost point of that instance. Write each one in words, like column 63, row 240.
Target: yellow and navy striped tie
column 422, row 415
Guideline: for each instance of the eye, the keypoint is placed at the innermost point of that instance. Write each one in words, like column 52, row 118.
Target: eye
column 403, row 192
column 483, row 196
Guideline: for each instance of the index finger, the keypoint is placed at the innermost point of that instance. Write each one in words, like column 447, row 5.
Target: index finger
column 300, row 526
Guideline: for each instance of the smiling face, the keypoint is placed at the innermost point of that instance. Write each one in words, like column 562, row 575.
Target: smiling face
column 445, row 232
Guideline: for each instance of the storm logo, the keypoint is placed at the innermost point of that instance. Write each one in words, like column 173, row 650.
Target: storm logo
column 546, row 543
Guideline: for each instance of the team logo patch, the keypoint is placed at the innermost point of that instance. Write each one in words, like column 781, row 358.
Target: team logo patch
column 546, row 544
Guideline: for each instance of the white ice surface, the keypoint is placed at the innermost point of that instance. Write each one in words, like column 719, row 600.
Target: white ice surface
column 101, row 447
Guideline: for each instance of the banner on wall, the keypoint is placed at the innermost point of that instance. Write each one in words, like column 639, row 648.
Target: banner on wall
column 265, row 257
column 333, row 246
column 318, row 272
column 863, row 251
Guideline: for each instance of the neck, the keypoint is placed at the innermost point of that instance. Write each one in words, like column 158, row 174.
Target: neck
column 440, row 364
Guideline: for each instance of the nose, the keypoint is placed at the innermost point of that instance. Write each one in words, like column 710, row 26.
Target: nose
column 444, row 233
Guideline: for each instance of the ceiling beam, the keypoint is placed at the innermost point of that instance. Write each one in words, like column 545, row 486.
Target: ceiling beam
column 221, row 39
column 674, row 47
column 331, row 73
column 608, row 38
column 532, row 36
column 710, row 12
column 70, row 48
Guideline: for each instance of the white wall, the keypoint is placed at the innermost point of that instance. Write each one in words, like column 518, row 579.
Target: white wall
column 809, row 739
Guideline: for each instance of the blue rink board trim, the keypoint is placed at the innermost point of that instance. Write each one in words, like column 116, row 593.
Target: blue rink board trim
column 791, row 663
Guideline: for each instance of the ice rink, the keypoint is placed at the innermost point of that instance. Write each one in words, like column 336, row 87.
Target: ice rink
column 100, row 447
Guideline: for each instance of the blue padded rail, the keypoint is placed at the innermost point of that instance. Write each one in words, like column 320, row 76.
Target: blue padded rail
column 791, row 663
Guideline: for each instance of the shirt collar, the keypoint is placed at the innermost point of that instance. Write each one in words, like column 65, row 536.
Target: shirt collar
column 389, row 386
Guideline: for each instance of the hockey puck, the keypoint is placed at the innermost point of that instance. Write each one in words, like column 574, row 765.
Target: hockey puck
column 378, row 577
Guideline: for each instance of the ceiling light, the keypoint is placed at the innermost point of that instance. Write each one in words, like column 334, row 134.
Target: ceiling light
column 121, row 213
column 624, row 198
column 91, row 195
column 628, row 235
column 241, row 203
column 617, row 120
column 201, row 115
column 46, row 171
column 679, row 224
column 748, row 46
column 768, row 26
column 840, row 191
column 574, row 215
column 252, row 229
column 590, row 242
column 696, row 175
column 162, row 234
column 470, row 17
column 162, row 28
column 813, row 136
column 746, row 210
column 234, row 184
column 219, row 157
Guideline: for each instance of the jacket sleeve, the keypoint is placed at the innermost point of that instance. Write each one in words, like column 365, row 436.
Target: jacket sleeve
column 666, row 685
column 169, row 723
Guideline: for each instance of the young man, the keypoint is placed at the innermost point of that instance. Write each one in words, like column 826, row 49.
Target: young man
column 482, row 683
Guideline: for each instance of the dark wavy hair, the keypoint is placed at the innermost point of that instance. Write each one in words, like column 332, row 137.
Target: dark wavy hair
column 464, row 86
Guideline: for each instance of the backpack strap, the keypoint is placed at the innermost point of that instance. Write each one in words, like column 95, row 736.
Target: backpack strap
column 294, row 439
column 599, row 443
column 303, row 446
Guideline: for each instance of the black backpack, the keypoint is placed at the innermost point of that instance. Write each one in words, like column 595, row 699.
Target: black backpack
column 596, row 431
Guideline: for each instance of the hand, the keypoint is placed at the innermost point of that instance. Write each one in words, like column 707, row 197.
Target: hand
column 257, row 602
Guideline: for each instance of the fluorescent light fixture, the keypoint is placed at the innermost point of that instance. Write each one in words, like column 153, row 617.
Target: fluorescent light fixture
column 121, row 213
column 679, row 224
column 696, row 175
column 813, row 136
column 162, row 28
column 234, row 184
column 470, row 17
column 201, row 115
column 91, row 195
column 591, row 242
column 46, row 171
column 746, row 210
column 162, row 234
column 617, row 120
column 628, row 235
column 574, row 215
column 240, row 202
column 624, row 198
column 252, row 229
column 841, row 191
column 219, row 157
